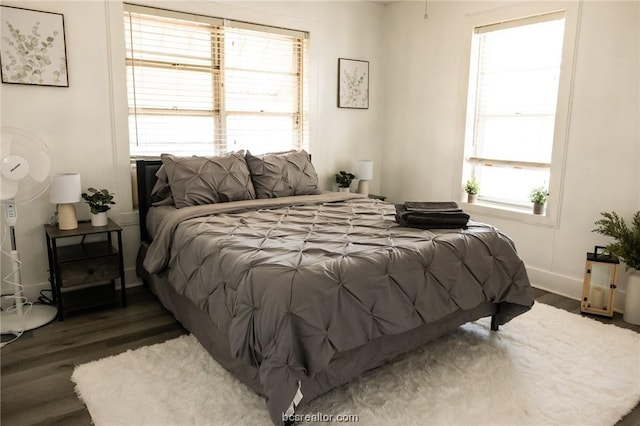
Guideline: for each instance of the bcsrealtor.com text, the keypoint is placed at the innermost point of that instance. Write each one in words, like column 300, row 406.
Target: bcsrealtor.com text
column 321, row 418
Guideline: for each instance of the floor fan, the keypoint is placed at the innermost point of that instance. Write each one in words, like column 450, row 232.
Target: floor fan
column 25, row 166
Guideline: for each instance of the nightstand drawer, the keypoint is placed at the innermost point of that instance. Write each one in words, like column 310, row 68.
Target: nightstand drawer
column 89, row 271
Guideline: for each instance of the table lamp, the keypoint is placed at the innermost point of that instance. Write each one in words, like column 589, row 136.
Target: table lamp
column 364, row 172
column 65, row 190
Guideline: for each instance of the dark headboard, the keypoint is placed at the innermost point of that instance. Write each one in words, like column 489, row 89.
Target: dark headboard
column 146, row 175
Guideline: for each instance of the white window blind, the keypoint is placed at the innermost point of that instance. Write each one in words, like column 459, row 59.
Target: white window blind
column 203, row 85
column 515, row 76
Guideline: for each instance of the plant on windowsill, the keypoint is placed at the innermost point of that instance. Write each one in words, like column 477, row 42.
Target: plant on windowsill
column 344, row 179
column 100, row 201
column 472, row 187
column 626, row 247
column 538, row 197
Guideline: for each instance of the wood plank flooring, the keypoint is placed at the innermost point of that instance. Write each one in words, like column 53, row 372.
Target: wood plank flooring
column 36, row 388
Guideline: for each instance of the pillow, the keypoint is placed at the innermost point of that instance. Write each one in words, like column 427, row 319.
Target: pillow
column 207, row 180
column 282, row 174
column 161, row 192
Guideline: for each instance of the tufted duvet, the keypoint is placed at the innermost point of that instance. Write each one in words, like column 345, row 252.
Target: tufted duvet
column 294, row 281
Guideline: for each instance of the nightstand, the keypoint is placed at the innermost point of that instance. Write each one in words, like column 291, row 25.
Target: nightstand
column 83, row 274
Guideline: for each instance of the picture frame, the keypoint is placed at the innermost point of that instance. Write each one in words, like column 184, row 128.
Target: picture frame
column 33, row 48
column 353, row 83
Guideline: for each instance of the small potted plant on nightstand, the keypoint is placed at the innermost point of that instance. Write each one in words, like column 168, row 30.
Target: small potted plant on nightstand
column 538, row 197
column 344, row 179
column 100, row 201
column 472, row 188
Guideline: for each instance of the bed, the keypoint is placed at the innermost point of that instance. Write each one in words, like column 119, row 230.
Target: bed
column 297, row 291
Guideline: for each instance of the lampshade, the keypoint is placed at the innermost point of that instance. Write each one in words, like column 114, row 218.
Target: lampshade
column 65, row 188
column 364, row 169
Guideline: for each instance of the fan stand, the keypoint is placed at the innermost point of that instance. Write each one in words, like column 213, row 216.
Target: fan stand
column 23, row 319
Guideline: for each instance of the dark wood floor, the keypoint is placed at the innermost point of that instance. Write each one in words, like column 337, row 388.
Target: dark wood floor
column 36, row 369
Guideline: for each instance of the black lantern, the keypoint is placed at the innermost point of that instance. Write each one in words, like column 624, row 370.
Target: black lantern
column 599, row 286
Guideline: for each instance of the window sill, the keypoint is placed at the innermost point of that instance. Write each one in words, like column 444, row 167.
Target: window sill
column 515, row 214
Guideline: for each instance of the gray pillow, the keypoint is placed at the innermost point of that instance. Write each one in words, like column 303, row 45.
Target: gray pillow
column 207, row 180
column 161, row 192
column 282, row 174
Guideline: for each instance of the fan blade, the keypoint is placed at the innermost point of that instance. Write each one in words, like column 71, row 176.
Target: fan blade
column 25, row 165
column 40, row 166
column 8, row 189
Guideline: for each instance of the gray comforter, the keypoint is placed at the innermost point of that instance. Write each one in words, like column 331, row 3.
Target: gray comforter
column 293, row 281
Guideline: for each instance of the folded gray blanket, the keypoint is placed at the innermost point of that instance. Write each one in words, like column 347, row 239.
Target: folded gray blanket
column 438, row 206
column 431, row 215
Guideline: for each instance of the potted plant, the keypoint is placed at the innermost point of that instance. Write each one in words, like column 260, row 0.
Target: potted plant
column 538, row 197
column 344, row 179
column 100, row 201
column 472, row 188
column 626, row 247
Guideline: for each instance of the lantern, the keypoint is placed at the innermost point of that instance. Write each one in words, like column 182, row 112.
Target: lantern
column 599, row 286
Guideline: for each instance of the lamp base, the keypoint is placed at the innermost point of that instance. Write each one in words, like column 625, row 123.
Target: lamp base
column 67, row 217
column 33, row 317
column 363, row 187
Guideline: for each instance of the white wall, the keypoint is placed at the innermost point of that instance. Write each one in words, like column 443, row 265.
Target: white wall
column 75, row 123
column 84, row 125
column 423, row 93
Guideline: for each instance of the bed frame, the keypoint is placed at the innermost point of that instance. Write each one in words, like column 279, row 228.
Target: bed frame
column 216, row 342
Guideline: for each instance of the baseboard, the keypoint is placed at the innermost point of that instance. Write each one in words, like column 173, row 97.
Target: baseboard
column 565, row 286
column 555, row 283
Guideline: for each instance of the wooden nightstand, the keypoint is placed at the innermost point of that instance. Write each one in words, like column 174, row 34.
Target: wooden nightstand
column 83, row 274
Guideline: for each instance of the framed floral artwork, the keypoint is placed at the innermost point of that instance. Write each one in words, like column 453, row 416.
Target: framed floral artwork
column 353, row 83
column 32, row 49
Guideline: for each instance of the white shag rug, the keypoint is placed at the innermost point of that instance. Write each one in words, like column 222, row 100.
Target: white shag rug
column 545, row 367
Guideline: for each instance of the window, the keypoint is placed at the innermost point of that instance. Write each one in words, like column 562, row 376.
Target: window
column 519, row 79
column 202, row 85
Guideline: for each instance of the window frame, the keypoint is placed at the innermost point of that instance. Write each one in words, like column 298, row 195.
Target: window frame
column 465, row 127
column 219, row 113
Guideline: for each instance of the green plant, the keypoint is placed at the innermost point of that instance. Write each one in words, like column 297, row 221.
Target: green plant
column 472, row 186
column 99, row 199
column 627, row 239
column 343, row 179
column 539, row 195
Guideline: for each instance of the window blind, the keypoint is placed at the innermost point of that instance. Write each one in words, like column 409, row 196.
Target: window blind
column 516, row 89
column 205, row 85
